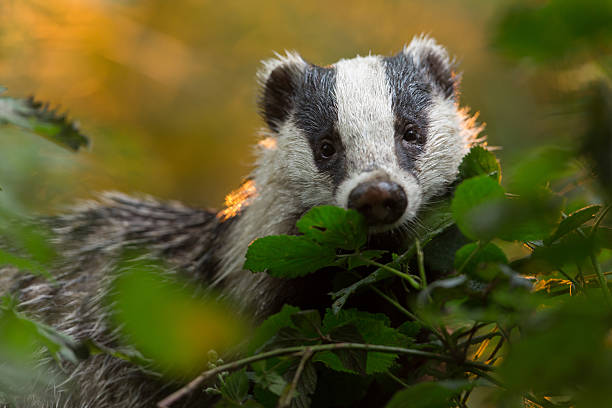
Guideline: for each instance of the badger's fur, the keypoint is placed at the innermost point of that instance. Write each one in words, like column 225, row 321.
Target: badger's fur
column 391, row 120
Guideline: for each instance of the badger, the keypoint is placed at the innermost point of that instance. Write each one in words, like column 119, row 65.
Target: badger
column 383, row 135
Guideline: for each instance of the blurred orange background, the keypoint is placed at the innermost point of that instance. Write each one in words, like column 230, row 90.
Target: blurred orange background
column 166, row 89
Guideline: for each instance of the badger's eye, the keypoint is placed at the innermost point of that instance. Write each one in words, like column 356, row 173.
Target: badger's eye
column 327, row 150
column 411, row 134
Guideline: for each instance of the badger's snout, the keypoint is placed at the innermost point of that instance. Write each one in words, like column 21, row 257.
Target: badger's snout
column 380, row 201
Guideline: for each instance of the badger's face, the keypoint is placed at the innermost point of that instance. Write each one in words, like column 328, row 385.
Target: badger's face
column 382, row 135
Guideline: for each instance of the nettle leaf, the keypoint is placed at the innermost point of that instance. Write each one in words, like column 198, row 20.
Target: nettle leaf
column 36, row 117
column 573, row 221
column 428, row 395
column 271, row 326
column 334, row 227
column 286, row 256
column 470, row 259
column 472, row 206
column 479, row 161
column 236, row 386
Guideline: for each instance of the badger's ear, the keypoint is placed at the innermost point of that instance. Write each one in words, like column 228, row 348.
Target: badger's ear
column 434, row 61
column 279, row 79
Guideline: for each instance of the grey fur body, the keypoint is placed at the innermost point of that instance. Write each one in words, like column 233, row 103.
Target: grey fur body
column 363, row 107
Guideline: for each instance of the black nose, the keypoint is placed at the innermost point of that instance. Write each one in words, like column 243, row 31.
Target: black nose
column 380, row 201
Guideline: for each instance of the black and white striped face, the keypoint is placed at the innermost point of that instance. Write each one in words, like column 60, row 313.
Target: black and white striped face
column 383, row 135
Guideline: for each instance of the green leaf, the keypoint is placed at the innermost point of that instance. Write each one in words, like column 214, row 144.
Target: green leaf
column 308, row 322
column 305, row 386
column 471, row 206
column 538, row 169
column 36, row 117
column 236, row 386
column 285, row 256
column 270, row 381
column 573, row 221
column 167, row 320
column 470, row 259
column 561, row 347
column 288, row 337
column 352, row 360
column 6, row 258
column 362, row 258
column 374, row 329
column 479, row 161
column 603, row 237
column 428, row 395
column 552, row 30
column 334, row 227
column 271, row 326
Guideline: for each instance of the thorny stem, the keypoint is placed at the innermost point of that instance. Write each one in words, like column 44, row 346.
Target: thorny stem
column 299, row 350
column 285, row 400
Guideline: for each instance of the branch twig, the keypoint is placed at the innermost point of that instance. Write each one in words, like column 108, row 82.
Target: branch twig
column 206, row 375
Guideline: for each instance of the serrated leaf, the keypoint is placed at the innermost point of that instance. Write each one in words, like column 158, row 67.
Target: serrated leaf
column 286, row 256
column 271, row 326
column 470, row 257
column 334, row 227
column 236, row 386
column 409, row 328
column 35, row 116
column 352, row 360
column 428, row 395
column 472, row 197
column 306, row 385
column 287, row 337
column 478, row 162
column 271, row 381
column 374, row 328
column 308, row 322
column 573, row 221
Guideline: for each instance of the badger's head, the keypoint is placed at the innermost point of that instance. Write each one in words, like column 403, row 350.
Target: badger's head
column 382, row 135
